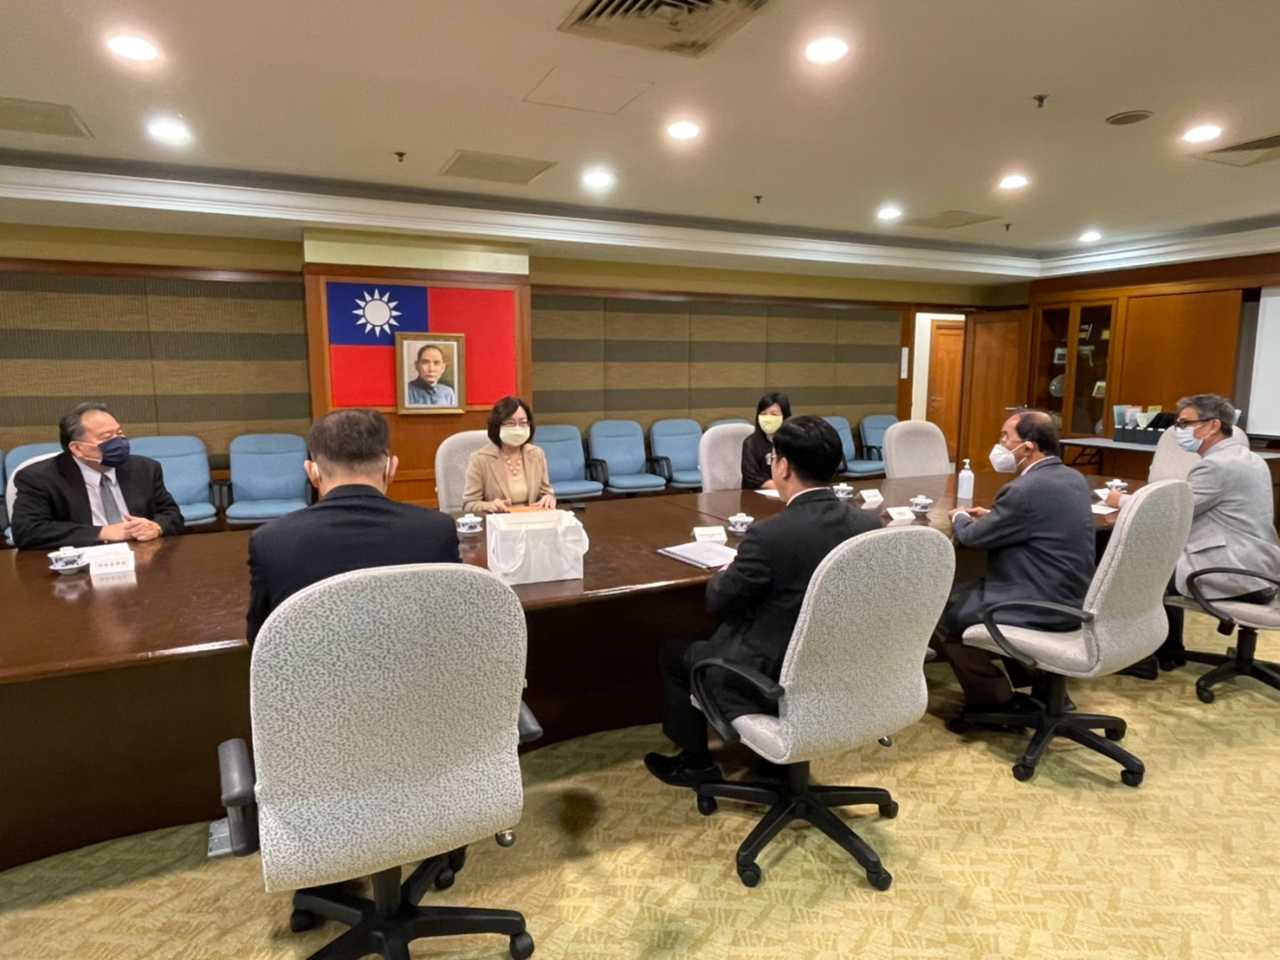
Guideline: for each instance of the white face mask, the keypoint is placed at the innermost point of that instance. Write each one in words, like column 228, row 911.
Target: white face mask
column 514, row 436
column 1003, row 460
column 1187, row 440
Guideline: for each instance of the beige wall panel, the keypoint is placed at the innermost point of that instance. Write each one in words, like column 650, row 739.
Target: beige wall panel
column 784, row 329
column 645, row 418
column 568, row 376
column 579, row 420
column 196, row 314
column 11, row 437
column 722, row 329
column 783, row 376
column 854, row 412
column 704, row 415
column 869, row 331
column 727, row 375
column 646, row 376
column 105, row 378
column 865, row 375
column 568, row 324
column 623, row 325
column 236, row 376
column 72, row 311
column 218, row 434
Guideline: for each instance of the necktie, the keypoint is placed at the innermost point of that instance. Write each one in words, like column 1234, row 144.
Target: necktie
column 110, row 512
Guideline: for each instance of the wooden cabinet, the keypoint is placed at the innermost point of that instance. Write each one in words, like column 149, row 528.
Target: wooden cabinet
column 1072, row 353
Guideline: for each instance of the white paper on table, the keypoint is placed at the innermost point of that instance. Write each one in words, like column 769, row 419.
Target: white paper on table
column 769, row 493
column 902, row 513
column 1102, row 509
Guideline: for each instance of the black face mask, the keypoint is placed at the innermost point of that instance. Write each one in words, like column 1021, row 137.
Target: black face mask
column 113, row 452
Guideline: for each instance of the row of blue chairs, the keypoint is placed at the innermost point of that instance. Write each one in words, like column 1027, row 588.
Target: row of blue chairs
column 615, row 459
column 267, row 478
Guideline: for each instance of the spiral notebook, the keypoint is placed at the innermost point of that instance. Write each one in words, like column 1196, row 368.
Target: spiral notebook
column 705, row 555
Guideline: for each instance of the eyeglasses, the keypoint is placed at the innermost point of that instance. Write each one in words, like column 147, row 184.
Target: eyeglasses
column 515, row 423
column 1181, row 424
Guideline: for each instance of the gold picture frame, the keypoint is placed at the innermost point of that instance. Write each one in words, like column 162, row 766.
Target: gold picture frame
column 415, row 392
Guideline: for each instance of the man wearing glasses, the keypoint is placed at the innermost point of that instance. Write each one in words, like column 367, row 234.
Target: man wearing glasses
column 1234, row 520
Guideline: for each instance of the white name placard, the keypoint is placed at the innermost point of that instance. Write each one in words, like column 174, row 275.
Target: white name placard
column 710, row 535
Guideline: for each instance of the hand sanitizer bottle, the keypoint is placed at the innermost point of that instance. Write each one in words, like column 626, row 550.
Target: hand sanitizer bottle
column 964, row 486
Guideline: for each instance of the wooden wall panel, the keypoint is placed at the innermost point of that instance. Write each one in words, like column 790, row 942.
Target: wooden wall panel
column 997, row 356
column 1177, row 345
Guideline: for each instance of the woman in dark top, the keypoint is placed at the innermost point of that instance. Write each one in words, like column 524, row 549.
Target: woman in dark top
column 757, row 449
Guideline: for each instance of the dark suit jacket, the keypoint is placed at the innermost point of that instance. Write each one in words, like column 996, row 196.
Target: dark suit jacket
column 755, row 471
column 52, row 506
column 352, row 528
column 1040, row 543
column 761, row 592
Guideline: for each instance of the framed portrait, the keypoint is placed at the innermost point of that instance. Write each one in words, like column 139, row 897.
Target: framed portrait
column 431, row 373
column 1100, row 389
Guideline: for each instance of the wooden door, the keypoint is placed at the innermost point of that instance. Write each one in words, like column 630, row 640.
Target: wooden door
column 996, row 362
column 946, row 374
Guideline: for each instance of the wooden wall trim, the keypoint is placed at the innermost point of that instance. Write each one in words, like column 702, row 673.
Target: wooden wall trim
column 680, row 296
column 153, row 272
column 357, row 273
column 1198, row 276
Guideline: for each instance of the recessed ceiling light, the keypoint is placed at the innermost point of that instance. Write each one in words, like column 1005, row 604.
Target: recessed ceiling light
column 1202, row 133
column 169, row 130
column 1014, row 181
column 826, row 50
column 888, row 213
column 1090, row 236
column 598, row 178
column 133, row 48
column 683, row 130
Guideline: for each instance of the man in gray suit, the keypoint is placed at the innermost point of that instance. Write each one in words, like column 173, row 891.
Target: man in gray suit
column 1234, row 520
column 1040, row 543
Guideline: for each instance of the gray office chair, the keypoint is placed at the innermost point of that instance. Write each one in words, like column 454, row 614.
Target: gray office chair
column 1171, row 462
column 851, row 675
column 720, row 456
column 915, row 448
column 382, row 736
column 452, row 457
column 1247, row 620
column 1122, row 622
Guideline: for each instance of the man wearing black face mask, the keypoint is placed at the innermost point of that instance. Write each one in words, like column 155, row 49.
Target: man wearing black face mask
column 1040, row 543
column 92, row 492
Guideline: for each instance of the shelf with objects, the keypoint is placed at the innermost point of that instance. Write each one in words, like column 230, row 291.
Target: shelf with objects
column 1071, row 353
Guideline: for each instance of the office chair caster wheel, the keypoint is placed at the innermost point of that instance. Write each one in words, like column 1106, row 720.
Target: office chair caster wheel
column 889, row 810
column 749, row 875
column 506, row 838
column 707, row 806
column 1205, row 695
column 457, row 859
column 1023, row 771
column 521, row 946
column 301, row 920
column 1114, row 733
column 881, row 880
column 958, row 725
column 1131, row 778
column 444, row 879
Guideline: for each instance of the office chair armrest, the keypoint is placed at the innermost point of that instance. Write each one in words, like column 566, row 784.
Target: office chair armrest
column 659, row 466
column 771, row 689
column 844, row 465
column 236, row 771
column 598, row 470
column 221, row 490
column 874, row 453
column 1009, row 650
column 528, row 724
column 1193, row 584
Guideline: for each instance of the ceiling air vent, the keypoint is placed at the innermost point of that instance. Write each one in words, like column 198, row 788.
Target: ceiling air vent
column 36, row 116
column 495, row 167
column 687, row 27
column 1246, row 154
column 949, row 220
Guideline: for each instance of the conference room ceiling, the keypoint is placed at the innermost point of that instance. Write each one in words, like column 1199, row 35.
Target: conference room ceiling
column 932, row 106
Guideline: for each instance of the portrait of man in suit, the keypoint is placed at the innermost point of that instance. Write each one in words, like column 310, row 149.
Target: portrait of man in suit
column 431, row 373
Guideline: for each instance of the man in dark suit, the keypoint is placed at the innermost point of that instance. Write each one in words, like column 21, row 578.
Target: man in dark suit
column 1040, row 543
column 92, row 492
column 353, row 526
column 759, row 594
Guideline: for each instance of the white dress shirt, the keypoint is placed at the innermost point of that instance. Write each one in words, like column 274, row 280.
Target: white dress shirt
column 93, row 485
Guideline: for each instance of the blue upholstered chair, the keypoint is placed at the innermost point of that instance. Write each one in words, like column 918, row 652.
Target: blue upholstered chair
column 674, row 445
column 185, row 462
column 567, row 462
column 12, row 461
column 872, row 430
column 267, row 478
column 618, row 446
column 852, row 466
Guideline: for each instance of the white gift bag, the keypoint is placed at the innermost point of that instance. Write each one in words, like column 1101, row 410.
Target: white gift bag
column 537, row 546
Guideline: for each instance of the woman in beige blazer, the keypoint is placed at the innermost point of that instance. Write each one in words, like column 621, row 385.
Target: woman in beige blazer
column 511, row 472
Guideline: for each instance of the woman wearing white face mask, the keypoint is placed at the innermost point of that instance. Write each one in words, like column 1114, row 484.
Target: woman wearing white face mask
column 772, row 410
column 511, row 472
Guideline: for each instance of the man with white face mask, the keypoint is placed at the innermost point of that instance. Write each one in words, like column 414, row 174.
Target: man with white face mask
column 1040, row 543
column 1234, row 520
column 353, row 526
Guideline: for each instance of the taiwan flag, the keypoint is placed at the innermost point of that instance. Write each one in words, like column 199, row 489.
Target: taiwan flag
column 363, row 322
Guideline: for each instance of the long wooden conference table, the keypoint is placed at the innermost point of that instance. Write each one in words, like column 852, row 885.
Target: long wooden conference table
column 113, row 698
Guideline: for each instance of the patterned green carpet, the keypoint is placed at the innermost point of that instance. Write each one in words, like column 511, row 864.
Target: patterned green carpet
column 610, row 863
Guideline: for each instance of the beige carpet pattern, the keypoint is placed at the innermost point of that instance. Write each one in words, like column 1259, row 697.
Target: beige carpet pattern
column 610, row 863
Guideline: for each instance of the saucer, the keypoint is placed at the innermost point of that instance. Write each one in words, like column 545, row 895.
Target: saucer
column 470, row 531
column 80, row 567
column 844, row 494
column 921, row 511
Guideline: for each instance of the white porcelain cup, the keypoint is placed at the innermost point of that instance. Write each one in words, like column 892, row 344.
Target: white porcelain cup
column 67, row 557
column 470, row 523
column 739, row 522
column 1117, row 484
column 921, row 503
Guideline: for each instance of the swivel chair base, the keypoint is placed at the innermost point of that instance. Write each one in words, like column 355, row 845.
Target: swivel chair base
column 1239, row 661
column 386, row 924
column 1054, row 720
column 796, row 799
